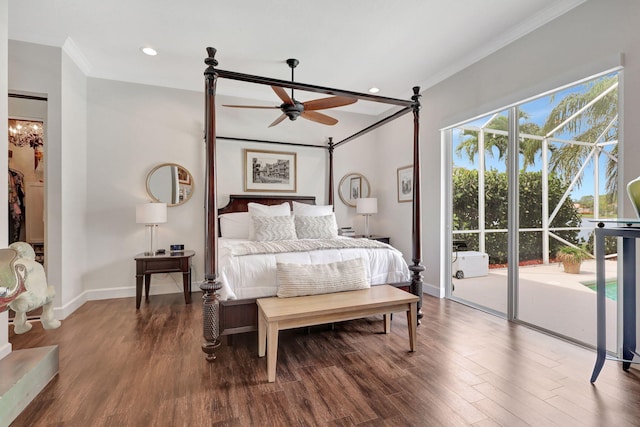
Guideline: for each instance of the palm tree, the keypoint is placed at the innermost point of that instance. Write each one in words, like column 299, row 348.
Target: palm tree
column 597, row 123
column 528, row 148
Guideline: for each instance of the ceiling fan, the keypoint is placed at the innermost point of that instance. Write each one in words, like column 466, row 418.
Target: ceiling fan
column 307, row 110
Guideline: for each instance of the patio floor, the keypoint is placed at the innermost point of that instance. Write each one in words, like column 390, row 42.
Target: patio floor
column 549, row 298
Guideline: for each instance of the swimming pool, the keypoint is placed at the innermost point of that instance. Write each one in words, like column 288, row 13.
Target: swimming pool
column 610, row 287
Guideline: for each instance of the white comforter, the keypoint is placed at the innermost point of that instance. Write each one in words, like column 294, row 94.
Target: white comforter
column 254, row 276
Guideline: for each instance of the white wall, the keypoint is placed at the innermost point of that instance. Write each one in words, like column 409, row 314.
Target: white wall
column 586, row 40
column 5, row 347
column 48, row 71
column 133, row 128
column 73, row 184
column 103, row 137
column 37, row 70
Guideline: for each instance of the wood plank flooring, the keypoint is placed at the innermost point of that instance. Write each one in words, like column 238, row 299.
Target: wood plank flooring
column 122, row 367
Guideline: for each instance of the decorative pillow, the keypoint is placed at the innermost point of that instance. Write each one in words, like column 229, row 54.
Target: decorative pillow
column 296, row 280
column 256, row 209
column 304, row 209
column 269, row 228
column 235, row 225
column 316, row 227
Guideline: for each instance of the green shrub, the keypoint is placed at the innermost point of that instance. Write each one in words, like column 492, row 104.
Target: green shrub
column 465, row 212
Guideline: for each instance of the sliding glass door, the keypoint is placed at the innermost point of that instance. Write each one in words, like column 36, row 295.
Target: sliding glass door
column 526, row 184
column 479, row 212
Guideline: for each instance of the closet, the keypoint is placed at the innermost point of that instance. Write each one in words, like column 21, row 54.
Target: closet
column 26, row 160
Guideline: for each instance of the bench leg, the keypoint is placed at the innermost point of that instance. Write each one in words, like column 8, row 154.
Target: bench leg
column 272, row 350
column 262, row 334
column 387, row 323
column 412, row 323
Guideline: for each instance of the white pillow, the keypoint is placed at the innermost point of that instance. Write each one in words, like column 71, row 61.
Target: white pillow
column 256, row 209
column 235, row 225
column 304, row 209
column 312, row 279
column 316, row 227
column 270, row 228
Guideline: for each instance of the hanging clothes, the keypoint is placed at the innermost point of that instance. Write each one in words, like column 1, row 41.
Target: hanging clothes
column 16, row 204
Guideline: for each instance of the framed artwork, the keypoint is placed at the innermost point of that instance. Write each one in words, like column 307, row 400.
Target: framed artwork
column 405, row 184
column 355, row 188
column 184, row 177
column 269, row 171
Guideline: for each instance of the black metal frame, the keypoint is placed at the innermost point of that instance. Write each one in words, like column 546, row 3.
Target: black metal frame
column 210, row 284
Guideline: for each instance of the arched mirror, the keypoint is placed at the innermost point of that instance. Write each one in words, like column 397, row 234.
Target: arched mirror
column 353, row 186
column 170, row 183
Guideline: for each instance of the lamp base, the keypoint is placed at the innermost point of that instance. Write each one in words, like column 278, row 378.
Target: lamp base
column 366, row 227
column 151, row 230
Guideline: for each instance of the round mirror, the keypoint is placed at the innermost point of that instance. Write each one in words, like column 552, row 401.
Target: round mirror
column 170, row 183
column 353, row 186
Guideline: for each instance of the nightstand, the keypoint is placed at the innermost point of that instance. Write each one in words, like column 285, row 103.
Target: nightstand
column 146, row 265
column 382, row 239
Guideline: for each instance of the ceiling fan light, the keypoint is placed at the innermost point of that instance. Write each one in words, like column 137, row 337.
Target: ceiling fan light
column 149, row 51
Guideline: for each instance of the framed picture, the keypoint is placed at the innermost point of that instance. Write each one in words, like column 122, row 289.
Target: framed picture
column 355, row 188
column 184, row 177
column 269, row 171
column 405, row 184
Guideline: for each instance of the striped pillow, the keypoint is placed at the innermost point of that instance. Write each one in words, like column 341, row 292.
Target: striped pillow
column 296, row 280
column 316, row 227
column 270, row 228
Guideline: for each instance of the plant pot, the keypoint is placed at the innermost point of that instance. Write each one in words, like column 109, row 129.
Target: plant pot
column 571, row 267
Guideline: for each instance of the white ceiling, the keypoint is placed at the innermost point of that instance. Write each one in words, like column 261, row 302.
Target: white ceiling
column 353, row 45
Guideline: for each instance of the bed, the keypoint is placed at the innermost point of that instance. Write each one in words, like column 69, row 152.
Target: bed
column 237, row 293
column 225, row 315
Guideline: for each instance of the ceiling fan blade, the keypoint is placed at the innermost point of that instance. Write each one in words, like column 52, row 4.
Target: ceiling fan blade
column 318, row 117
column 282, row 94
column 249, row 106
column 331, row 102
column 278, row 120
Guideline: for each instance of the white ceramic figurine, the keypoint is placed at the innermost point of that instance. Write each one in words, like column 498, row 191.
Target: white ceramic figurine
column 37, row 294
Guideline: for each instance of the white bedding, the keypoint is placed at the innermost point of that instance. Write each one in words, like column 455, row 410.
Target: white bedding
column 254, row 276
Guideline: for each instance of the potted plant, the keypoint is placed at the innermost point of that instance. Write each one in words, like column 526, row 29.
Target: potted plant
column 571, row 258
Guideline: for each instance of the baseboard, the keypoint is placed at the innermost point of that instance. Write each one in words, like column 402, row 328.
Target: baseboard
column 63, row 312
column 432, row 290
column 129, row 292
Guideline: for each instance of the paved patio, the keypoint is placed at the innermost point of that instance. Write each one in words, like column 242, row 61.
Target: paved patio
column 549, row 298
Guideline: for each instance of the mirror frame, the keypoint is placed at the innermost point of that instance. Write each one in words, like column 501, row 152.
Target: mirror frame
column 161, row 165
column 344, row 178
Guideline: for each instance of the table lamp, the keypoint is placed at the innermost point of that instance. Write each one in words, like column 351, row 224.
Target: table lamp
column 151, row 214
column 366, row 206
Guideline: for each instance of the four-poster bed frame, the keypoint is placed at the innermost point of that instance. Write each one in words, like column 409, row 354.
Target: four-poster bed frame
column 237, row 316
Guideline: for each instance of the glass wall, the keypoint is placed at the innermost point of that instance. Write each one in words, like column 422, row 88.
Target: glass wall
column 566, row 145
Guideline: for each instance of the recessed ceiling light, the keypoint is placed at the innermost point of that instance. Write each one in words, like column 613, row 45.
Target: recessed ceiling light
column 149, row 51
column 374, row 90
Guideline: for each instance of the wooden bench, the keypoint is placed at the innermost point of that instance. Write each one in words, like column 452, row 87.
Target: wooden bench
column 276, row 314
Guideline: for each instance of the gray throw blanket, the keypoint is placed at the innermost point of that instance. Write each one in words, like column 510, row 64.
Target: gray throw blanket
column 303, row 245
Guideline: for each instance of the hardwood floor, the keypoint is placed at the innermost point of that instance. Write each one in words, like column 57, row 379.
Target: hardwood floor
column 122, row 367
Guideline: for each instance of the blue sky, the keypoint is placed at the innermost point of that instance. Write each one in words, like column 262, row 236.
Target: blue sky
column 538, row 110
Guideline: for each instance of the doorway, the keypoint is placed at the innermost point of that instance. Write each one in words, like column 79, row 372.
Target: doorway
column 526, row 184
column 27, row 173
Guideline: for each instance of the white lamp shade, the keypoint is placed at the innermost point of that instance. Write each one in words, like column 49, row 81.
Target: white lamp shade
column 151, row 213
column 367, row 205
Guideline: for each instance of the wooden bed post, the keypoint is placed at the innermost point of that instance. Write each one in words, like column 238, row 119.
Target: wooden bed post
column 330, row 202
column 416, row 268
column 210, row 302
